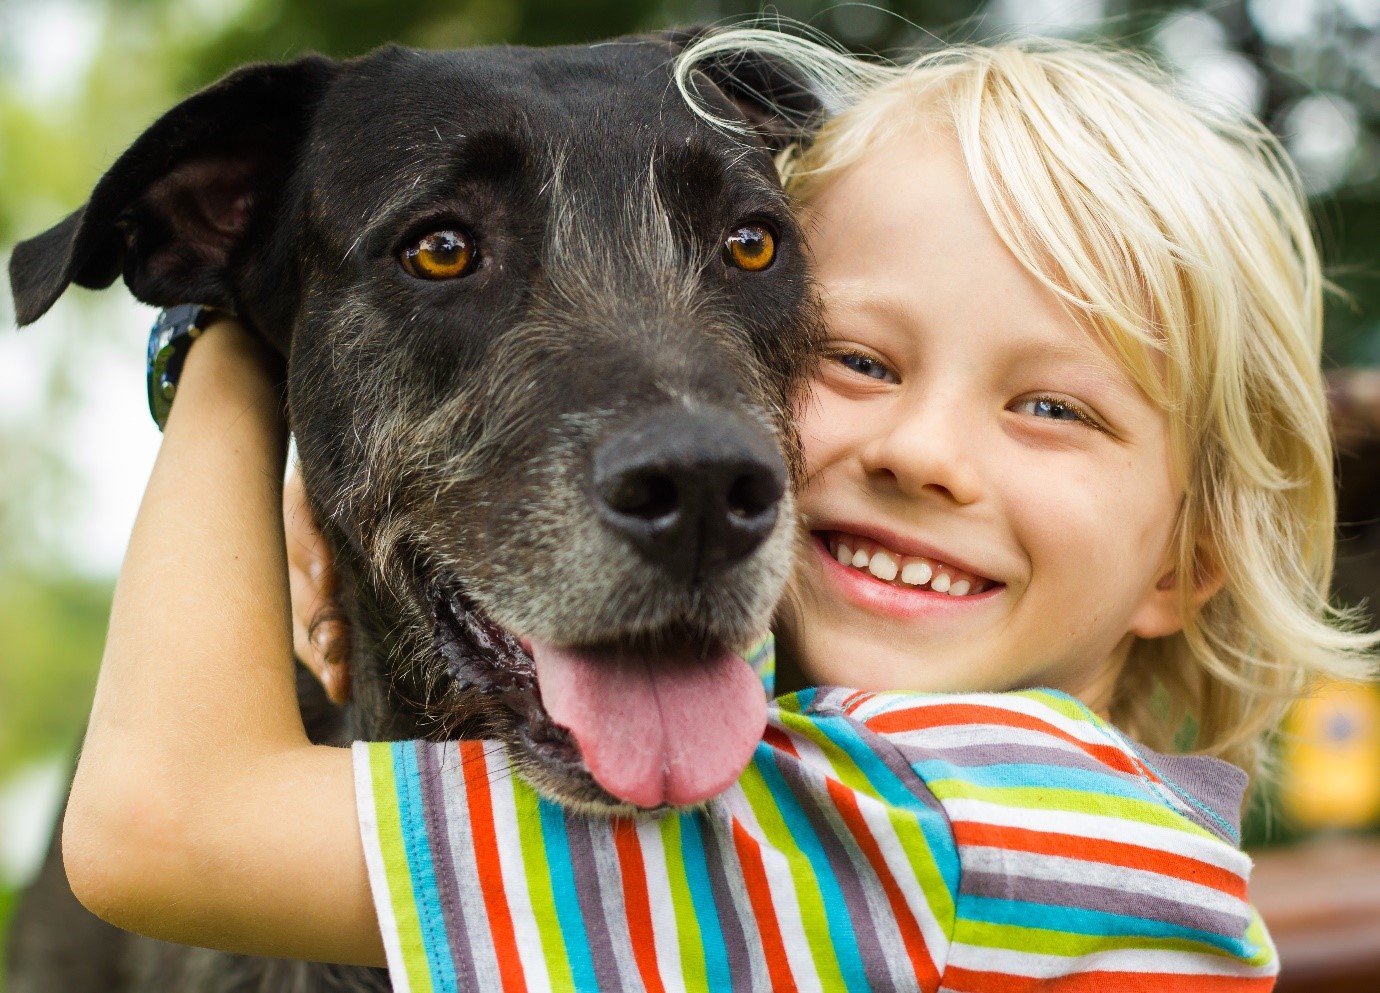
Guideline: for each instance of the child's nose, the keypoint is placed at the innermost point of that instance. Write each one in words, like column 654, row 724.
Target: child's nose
column 929, row 447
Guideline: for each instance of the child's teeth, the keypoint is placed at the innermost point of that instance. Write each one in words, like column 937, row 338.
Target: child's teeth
column 916, row 573
column 883, row 566
column 889, row 566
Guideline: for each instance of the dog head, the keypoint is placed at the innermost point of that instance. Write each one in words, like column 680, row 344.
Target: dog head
column 541, row 327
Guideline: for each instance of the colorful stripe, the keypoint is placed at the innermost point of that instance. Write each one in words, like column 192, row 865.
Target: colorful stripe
column 994, row 843
column 494, row 906
column 637, row 901
column 417, row 844
column 569, row 959
column 389, row 878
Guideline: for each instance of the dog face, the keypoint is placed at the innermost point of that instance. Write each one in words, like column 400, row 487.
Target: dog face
column 542, row 327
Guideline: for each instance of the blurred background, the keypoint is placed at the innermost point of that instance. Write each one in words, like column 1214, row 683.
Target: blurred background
column 79, row 79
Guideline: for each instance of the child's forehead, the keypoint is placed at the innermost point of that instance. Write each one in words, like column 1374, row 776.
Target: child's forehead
column 913, row 150
column 904, row 218
column 912, row 168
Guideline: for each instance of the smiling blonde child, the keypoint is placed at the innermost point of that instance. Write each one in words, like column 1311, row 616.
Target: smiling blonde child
column 1069, row 485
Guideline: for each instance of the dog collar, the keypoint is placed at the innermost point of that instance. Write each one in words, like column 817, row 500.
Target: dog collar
column 169, row 341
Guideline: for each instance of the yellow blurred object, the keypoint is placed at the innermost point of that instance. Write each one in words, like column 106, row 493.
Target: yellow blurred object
column 1330, row 758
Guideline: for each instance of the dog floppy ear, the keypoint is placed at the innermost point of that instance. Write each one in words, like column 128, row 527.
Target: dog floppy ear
column 178, row 209
column 764, row 90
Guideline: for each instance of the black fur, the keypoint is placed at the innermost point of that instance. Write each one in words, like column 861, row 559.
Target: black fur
column 447, row 430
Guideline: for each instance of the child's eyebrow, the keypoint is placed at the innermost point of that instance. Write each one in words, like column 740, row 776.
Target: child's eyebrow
column 860, row 299
column 1082, row 365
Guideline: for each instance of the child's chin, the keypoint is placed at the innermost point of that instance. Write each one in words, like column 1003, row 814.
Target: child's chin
column 870, row 661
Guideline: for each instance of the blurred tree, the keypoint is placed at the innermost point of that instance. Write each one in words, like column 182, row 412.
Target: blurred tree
column 351, row 27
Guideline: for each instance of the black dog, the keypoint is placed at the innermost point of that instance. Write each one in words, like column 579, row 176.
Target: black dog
column 541, row 327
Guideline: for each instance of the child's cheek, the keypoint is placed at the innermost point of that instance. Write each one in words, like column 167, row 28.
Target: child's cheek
column 828, row 431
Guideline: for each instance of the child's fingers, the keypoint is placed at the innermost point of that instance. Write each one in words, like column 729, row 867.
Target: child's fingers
column 319, row 635
column 306, row 548
column 328, row 638
column 307, row 602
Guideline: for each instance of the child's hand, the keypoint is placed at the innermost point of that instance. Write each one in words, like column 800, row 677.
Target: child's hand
column 320, row 635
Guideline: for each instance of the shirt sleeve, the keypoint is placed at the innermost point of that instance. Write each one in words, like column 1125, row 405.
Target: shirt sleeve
column 1001, row 842
column 1083, row 865
column 823, row 868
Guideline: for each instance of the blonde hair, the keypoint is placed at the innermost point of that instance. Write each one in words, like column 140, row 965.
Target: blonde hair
column 1178, row 233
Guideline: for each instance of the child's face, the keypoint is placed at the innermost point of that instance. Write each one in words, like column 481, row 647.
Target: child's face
column 965, row 425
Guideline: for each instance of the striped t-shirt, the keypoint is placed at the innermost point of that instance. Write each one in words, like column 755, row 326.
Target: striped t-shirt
column 878, row 841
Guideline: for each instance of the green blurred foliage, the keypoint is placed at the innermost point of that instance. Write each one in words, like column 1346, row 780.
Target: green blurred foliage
column 51, row 633
column 7, row 899
column 53, row 627
column 355, row 26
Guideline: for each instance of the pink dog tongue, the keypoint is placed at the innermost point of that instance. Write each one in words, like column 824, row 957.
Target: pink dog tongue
column 655, row 730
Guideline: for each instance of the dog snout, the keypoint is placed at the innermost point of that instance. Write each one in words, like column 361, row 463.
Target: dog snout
column 694, row 491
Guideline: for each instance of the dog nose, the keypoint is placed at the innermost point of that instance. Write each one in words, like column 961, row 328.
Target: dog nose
column 695, row 491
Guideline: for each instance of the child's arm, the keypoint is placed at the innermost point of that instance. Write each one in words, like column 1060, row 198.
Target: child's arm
column 200, row 813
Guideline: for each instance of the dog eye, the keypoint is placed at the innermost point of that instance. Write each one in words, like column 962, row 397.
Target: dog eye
column 750, row 247
column 443, row 254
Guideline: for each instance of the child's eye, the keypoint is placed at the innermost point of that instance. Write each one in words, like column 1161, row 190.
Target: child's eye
column 865, row 365
column 1056, row 409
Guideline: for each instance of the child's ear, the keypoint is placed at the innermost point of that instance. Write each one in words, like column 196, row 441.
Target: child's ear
column 1163, row 610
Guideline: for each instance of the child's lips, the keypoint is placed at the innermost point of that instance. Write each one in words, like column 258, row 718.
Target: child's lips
column 893, row 596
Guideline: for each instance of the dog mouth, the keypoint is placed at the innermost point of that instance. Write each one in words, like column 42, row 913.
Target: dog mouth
column 480, row 655
column 662, row 718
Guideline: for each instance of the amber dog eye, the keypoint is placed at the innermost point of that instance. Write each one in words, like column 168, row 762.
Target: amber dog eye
column 750, row 247
column 443, row 254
